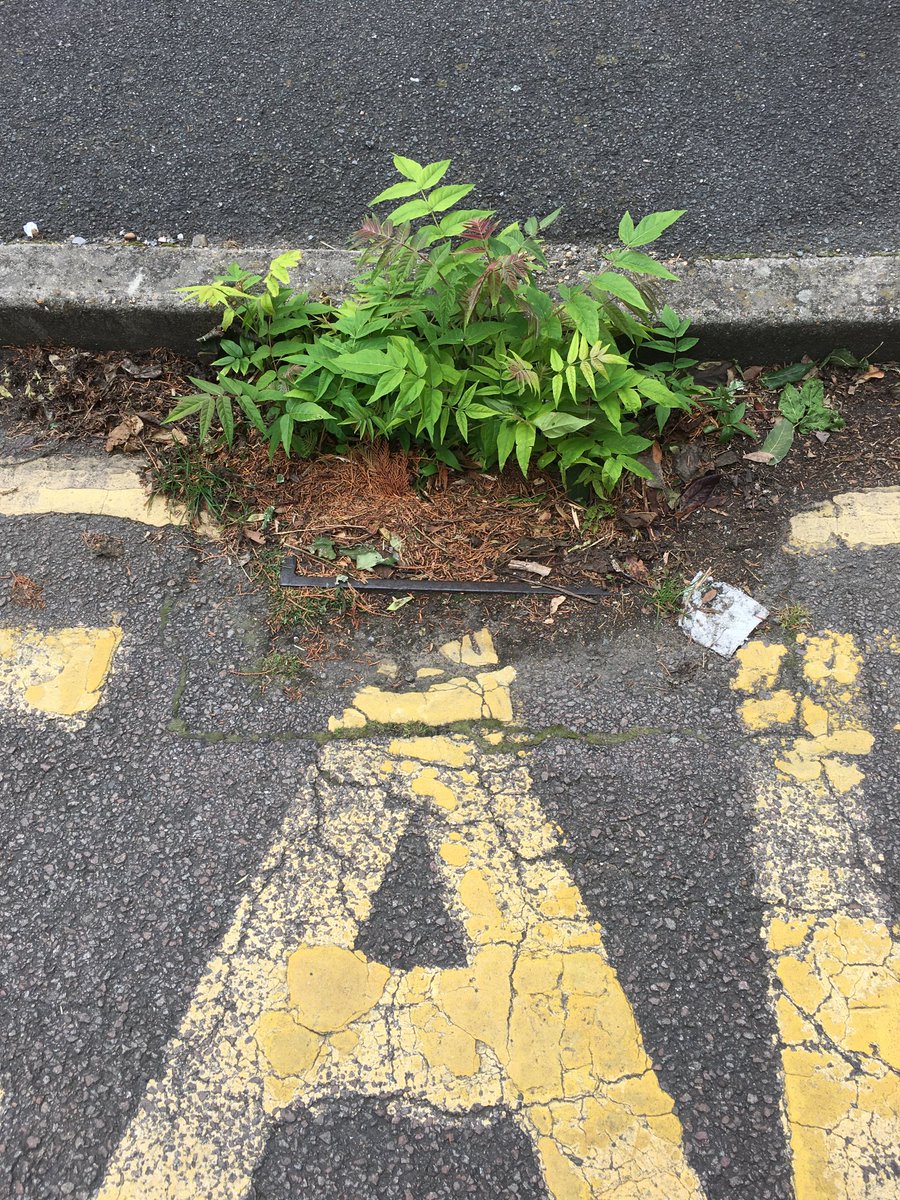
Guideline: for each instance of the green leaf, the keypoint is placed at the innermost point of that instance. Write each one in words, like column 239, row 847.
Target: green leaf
column 249, row 409
column 558, row 424
column 845, row 358
column 653, row 225
column 397, row 192
column 572, row 381
column 434, row 173
column 610, row 473
column 585, row 315
column 777, row 443
column 389, row 382
column 398, row 602
column 525, row 435
column 186, row 407
column 791, row 404
column 619, row 286
column 445, row 197
column 431, row 408
column 626, row 229
column 410, row 211
column 410, row 168
column 573, row 449
column 323, row 547
column 545, row 222
column 790, row 374
column 656, row 390
column 506, row 438
column 280, row 266
column 370, row 559
column 635, row 467
column 640, row 264
column 214, row 389
column 285, row 427
column 452, row 224
column 363, row 362
column 305, row 410
column 206, row 416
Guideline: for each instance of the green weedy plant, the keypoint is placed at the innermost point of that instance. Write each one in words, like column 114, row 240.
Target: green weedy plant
column 727, row 411
column 448, row 343
column 806, row 409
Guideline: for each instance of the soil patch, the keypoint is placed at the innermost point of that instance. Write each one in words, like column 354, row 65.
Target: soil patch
column 708, row 506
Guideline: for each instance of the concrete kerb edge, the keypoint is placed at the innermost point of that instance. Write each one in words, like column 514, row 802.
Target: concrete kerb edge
column 750, row 309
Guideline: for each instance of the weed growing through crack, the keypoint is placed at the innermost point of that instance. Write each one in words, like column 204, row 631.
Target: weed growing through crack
column 667, row 596
column 727, row 411
column 186, row 476
column 278, row 667
column 793, row 619
column 305, row 609
column 449, row 344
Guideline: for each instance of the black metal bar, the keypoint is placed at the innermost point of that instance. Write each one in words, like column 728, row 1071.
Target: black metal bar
column 503, row 587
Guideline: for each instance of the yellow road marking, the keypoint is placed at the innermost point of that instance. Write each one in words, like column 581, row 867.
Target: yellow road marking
column 860, row 519
column 836, row 965
column 288, row 1011
column 58, row 673
column 472, row 650
column 460, row 699
column 93, row 486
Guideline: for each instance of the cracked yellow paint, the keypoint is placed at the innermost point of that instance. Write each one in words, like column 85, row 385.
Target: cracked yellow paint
column 93, row 486
column 448, row 751
column 758, row 665
column 473, row 650
column 778, row 709
column 837, row 966
column 288, row 1011
column 859, row 519
column 58, row 673
column 484, row 697
column 427, row 783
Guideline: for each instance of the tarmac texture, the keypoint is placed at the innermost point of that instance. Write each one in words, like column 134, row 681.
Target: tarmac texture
column 770, row 121
column 478, row 914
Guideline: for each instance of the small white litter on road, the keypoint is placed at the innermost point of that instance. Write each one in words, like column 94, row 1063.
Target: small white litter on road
column 718, row 615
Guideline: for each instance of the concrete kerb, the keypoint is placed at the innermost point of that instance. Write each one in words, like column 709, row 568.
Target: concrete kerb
column 751, row 309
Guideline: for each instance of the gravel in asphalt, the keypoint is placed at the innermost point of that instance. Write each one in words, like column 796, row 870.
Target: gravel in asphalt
column 770, row 123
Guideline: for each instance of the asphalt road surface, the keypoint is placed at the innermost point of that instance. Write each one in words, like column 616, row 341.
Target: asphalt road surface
column 494, row 918
column 773, row 123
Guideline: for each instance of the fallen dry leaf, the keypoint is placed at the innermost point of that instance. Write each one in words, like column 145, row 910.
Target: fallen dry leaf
column 633, row 568
column 639, row 519
column 136, row 372
column 752, row 373
column 872, row 373
column 699, row 491
column 123, row 433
